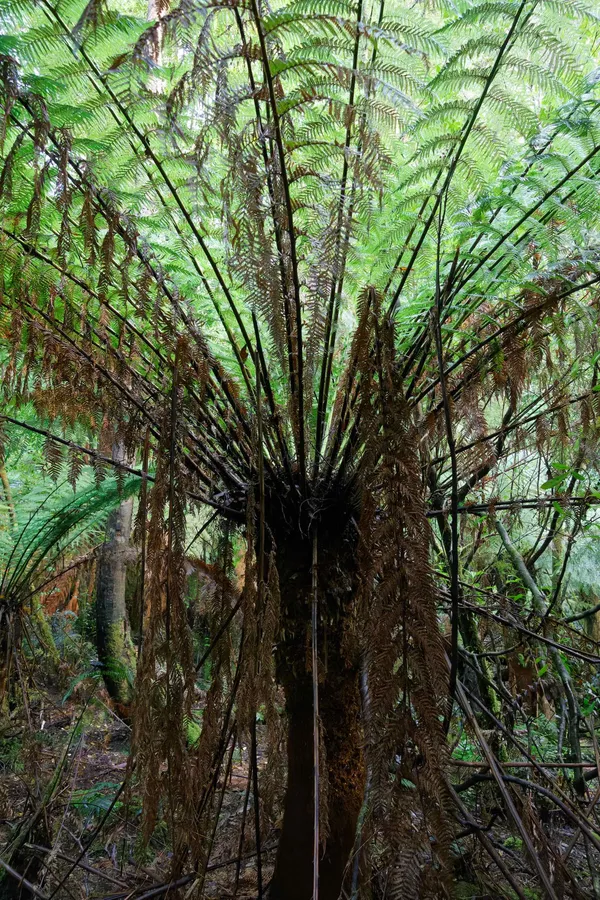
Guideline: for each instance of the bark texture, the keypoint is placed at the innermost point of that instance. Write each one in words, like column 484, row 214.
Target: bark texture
column 115, row 649
column 6, row 490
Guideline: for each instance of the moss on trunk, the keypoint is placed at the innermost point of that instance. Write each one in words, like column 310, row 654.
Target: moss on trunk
column 115, row 649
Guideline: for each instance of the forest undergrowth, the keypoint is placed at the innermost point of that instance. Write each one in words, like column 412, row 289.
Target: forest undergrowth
column 64, row 765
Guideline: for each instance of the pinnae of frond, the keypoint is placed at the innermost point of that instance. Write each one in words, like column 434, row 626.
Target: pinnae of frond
column 456, row 156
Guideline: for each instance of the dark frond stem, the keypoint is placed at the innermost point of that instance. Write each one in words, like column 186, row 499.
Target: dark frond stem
column 337, row 276
column 412, row 229
column 145, row 261
column 35, row 892
column 487, row 845
column 160, row 281
column 519, row 503
column 127, row 237
column 315, row 691
column 542, row 545
column 518, row 422
column 339, row 272
column 238, row 862
column 90, row 840
column 107, row 460
column 31, row 251
column 498, row 777
column 539, row 152
column 557, row 795
column 420, row 343
column 201, row 448
column 526, row 215
column 541, row 608
column 554, row 600
column 278, row 243
column 259, row 613
column 522, row 418
column 156, row 274
column 226, row 730
column 201, row 531
column 219, row 379
column 171, row 521
column 456, row 158
column 80, row 49
column 509, row 326
column 532, row 785
column 182, row 237
column 261, row 498
column 351, row 394
column 143, row 535
column 520, row 321
column 226, row 774
column 82, row 865
column 256, row 799
column 82, row 561
column 544, row 219
column 230, row 336
column 528, row 632
column 37, row 254
column 341, row 430
column 292, row 239
column 454, row 561
column 94, row 454
column 350, row 451
column 110, row 378
column 583, row 615
column 483, row 470
column 219, row 635
column 280, row 436
column 336, row 313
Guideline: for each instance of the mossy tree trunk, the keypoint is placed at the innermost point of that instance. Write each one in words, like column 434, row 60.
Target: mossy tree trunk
column 7, row 492
column 113, row 640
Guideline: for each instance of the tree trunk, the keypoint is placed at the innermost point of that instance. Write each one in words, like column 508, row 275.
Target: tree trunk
column 115, row 649
column 6, row 490
column 340, row 715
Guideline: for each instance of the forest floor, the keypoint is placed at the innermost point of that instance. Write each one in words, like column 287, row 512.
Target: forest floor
column 95, row 845
column 79, row 824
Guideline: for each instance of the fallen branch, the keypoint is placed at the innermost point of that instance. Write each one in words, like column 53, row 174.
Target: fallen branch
column 22, row 881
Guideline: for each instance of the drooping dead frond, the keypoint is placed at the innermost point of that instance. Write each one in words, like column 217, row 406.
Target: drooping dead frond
column 406, row 674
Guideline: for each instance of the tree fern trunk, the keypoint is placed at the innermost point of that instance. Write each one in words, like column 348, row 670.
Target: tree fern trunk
column 343, row 768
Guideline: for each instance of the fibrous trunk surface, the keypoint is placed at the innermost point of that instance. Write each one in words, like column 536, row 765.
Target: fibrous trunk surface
column 341, row 741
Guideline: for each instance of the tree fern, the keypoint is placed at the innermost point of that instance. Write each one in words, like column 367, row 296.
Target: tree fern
column 312, row 259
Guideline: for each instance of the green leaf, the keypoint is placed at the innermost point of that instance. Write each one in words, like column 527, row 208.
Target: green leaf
column 554, row 482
